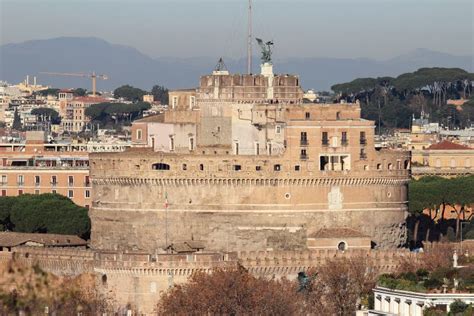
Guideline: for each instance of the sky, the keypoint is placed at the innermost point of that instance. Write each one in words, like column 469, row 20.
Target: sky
column 378, row 29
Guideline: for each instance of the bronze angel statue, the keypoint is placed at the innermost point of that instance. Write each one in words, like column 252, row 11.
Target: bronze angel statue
column 266, row 50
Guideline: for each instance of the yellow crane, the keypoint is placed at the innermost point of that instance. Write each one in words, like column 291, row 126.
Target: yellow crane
column 92, row 75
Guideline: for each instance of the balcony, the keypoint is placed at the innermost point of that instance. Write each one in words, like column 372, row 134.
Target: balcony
column 304, row 142
column 344, row 142
column 20, row 183
column 87, row 184
column 325, row 142
column 304, row 157
column 54, row 183
column 363, row 141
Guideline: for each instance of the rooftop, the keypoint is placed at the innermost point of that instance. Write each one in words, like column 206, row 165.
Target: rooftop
column 447, row 145
column 11, row 239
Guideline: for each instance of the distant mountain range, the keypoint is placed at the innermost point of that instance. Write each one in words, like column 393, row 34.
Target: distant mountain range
column 127, row 65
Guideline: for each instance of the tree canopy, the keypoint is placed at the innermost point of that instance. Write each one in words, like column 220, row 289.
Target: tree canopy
column 129, row 93
column 45, row 114
column 116, row 113
column 160, row 93
column 44, row 213
column 392, row 101
column 49, row 91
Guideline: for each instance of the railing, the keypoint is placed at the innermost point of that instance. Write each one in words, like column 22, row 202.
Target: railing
column 325, row 142
column 304, row 142
column 20, row 183
column 303, row 157
column 363, row 141
column 54, row 183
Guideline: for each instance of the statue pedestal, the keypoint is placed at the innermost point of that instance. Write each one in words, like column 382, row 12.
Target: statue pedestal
column 267, row 69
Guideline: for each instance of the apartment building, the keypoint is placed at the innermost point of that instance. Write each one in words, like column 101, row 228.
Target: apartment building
column 36, row 167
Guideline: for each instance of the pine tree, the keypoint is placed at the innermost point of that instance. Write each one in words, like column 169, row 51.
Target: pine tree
column 17, row 121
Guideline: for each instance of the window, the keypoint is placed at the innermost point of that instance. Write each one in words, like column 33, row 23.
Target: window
column 54, row 181
column 307, row 115
column 21, row 180
column 438, row 163
column 325, row 139
column 171, row 143
column 257, row 148
column 467, row 163
column 53, row 191
column 258, row 168
column 379, row 166
column 37, row 180
column 185, row 166
column 297, row 168
column 87, row 182
column 363, row 155
column 201, row 167
column 342, row 246
column 160, row 166
column 269, row 147
column 277, row 167
column 174, row 103
column 70, row 194
column 192, row 101
column 338, row 116
column 70, row 181
column 453, row 163
column 389, row 166
column 87, row 193
column 4, row 180
column 236, row 148
column 20, row 192
column 303, row 139
column 237, row 167
column 363, row 140
column 37, row 192
column 303, row 155
column 191, row 143
column 139, row 134
column 278, row 129
column 344, row 141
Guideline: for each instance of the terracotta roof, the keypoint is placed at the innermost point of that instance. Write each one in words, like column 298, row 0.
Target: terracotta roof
column 11, row 239
column 157, row 118
column 342, row 232
column 88, row 99
column 447, row 145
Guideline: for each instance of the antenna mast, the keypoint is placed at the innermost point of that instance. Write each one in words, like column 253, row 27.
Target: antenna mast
column 249, row 39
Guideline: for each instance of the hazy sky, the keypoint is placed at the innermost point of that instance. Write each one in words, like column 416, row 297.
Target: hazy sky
column 300, row 28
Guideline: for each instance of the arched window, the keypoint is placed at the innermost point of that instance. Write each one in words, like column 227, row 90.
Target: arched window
column 338, row 115
column 389, row 166
column 160, row 166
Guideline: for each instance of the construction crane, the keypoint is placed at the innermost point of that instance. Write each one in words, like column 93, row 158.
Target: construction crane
column 92, row 75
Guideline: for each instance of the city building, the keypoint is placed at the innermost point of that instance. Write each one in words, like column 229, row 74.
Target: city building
column 35, row 166
column 73, row 111
column 389, row 302
column 241, row 163
column 445, row 159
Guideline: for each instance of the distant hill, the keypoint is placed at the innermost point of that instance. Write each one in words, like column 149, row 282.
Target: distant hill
column 127, row 65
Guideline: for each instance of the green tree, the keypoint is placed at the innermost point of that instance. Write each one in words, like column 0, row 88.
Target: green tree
column 116, row 113
column 45, row 213
column 45, row 114
column 50, row 91
column 17, row 121
column 160, row 93
column 79, row 92
column 129, row 93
